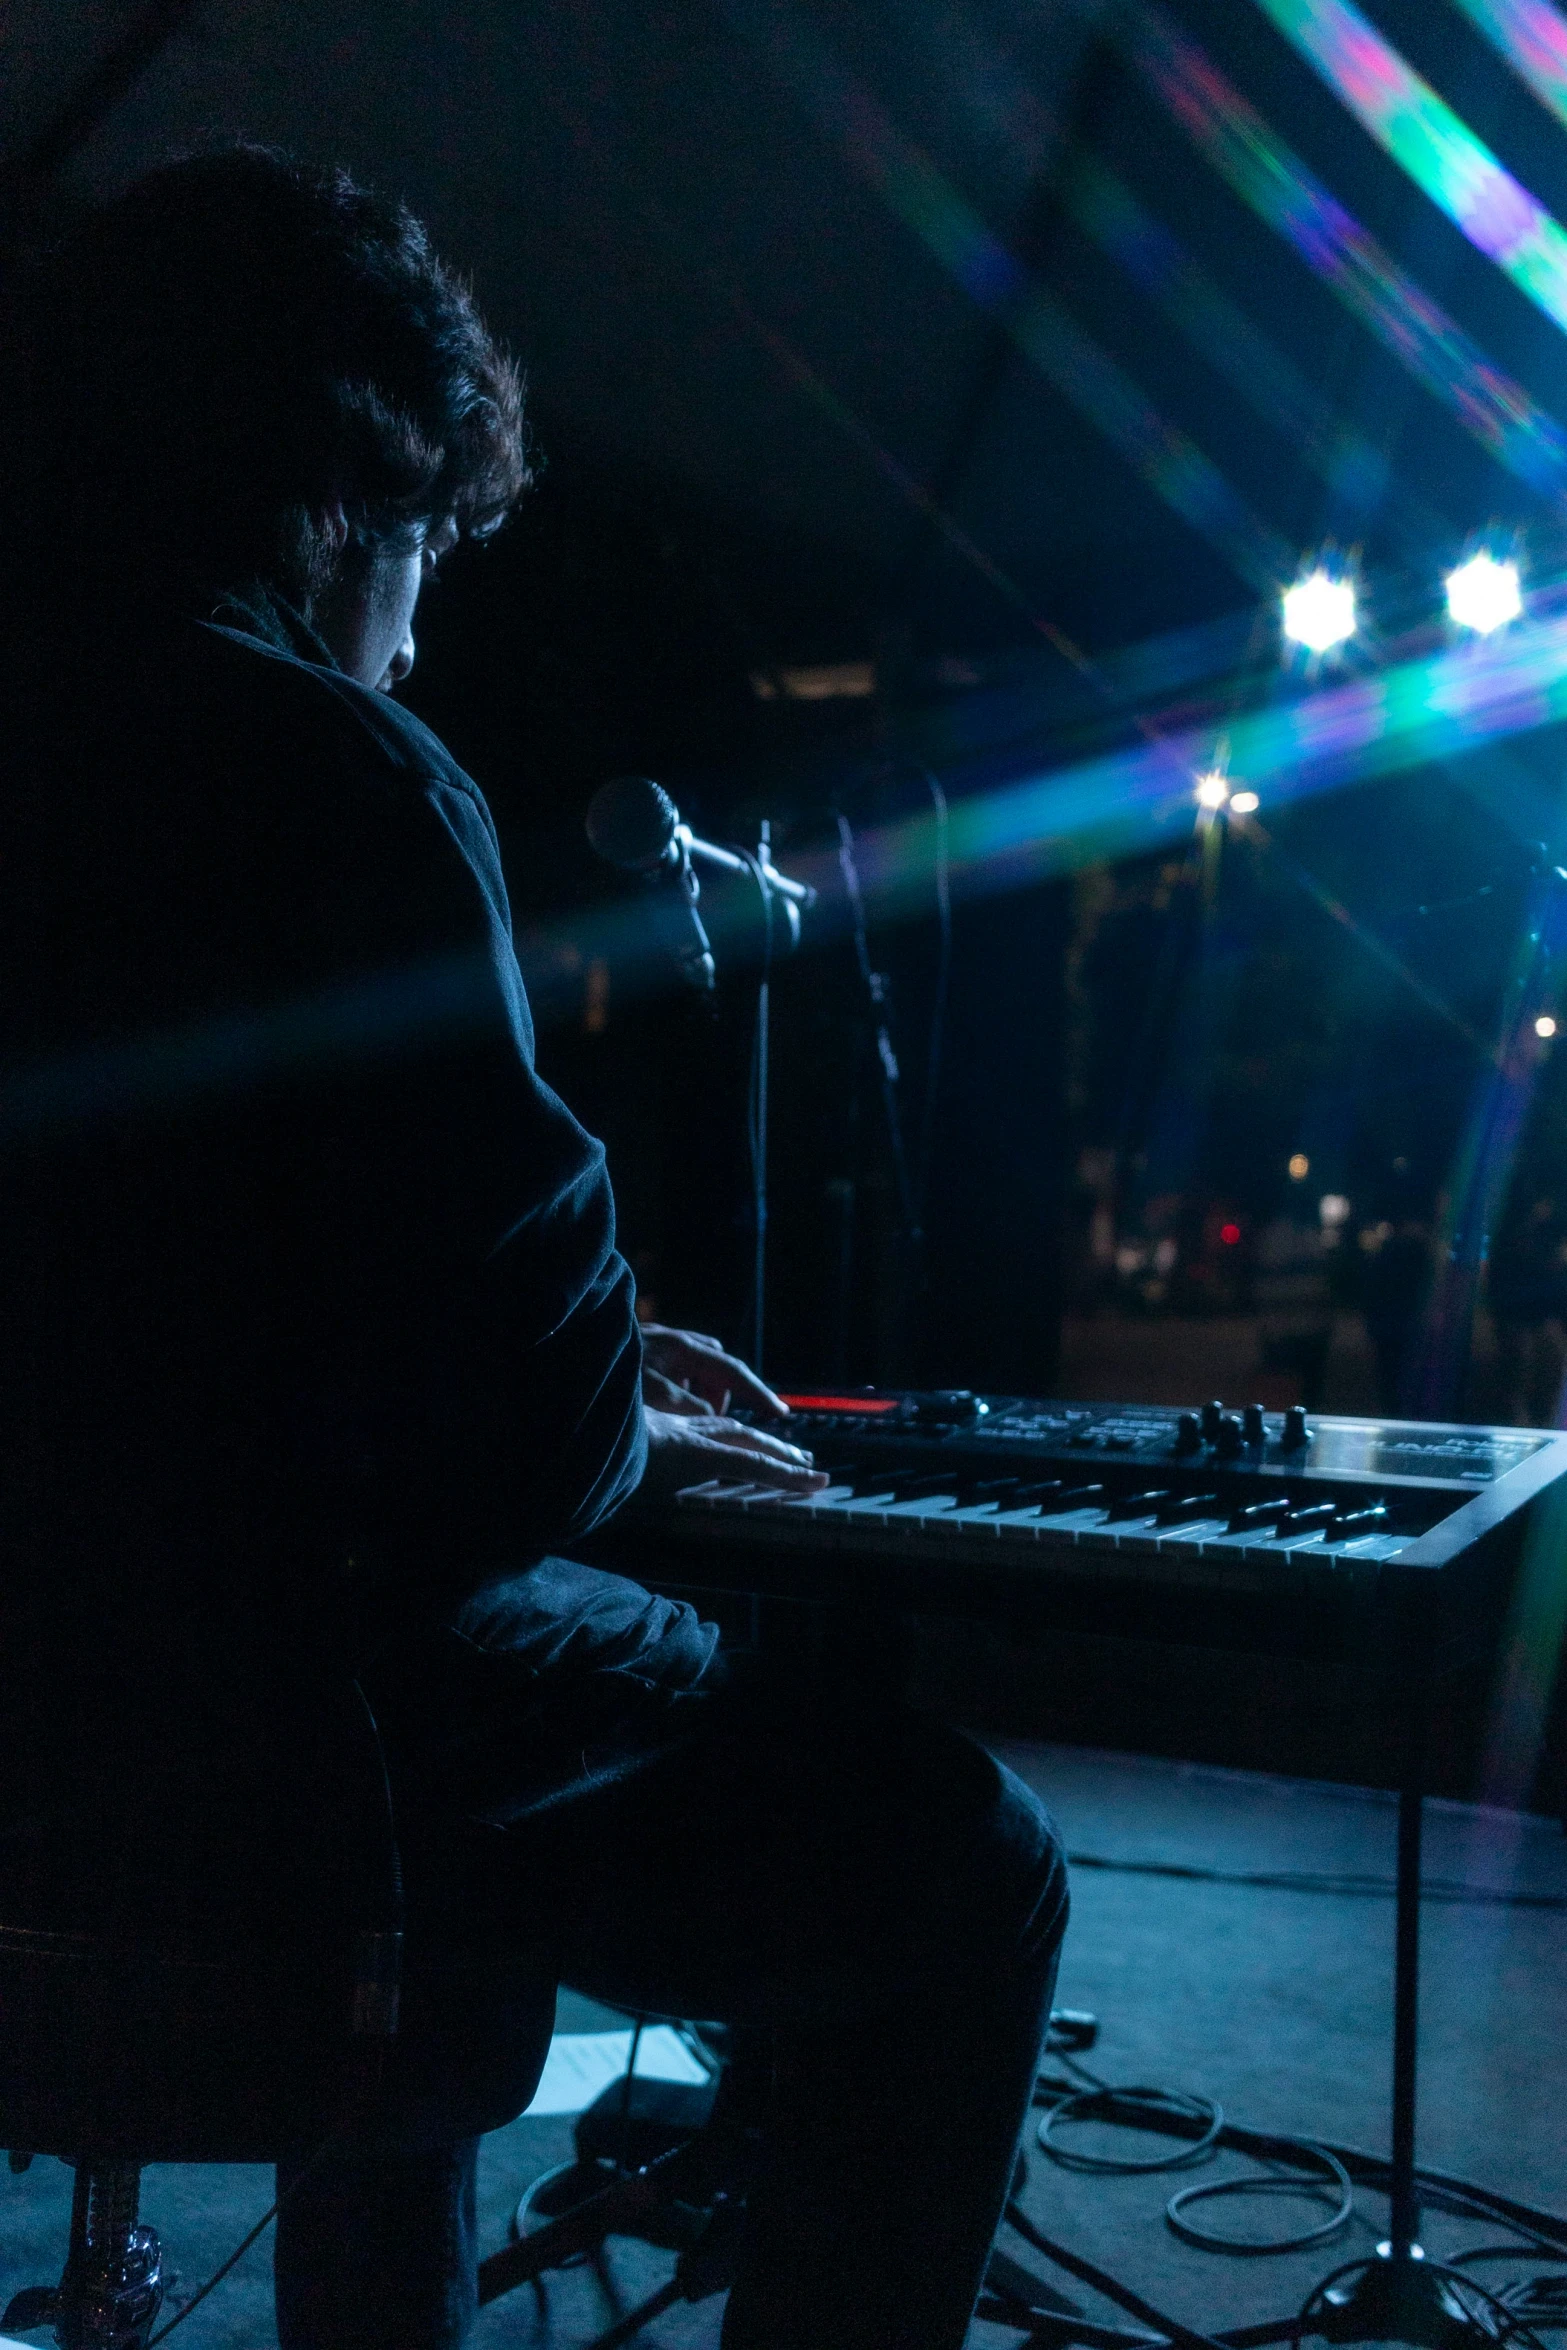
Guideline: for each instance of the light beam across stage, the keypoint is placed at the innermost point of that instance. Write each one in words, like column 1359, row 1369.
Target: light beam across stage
column 1532, row 36
column 975, row 258
column 1127, row 802
column 1270, row 178
column 1433, row 145
column 1106, row 210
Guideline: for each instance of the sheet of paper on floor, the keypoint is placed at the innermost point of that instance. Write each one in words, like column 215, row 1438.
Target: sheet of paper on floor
column 580, row 2064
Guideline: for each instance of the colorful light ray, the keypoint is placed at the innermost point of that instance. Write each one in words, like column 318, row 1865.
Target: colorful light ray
column 1529, row 1659
column 1532, row 36
column 953, row 232
column 1483, row 1163
column 1126, row 802
column 1272, row 180
column 1106, row 210
column 1432, row 144
column 1166, row 458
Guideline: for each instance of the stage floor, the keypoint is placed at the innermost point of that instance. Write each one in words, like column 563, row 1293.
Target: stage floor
column 1274, row 2000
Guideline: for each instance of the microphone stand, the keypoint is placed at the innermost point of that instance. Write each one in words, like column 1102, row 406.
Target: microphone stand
column 779, row 896
column 762, row 872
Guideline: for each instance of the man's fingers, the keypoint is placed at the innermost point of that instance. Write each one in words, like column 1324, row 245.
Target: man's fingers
column 754, row 1468
column 665, row 1396
column 745, row 1387
column 750, row 1454
column 732, row 1434
column 687, row 1451
column 721, row 1378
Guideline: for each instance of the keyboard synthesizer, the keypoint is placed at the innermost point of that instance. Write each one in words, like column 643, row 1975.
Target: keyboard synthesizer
column 1283, row 1531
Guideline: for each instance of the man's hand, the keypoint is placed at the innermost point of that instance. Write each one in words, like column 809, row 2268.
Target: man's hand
column 684, row 1372
column 690, row 1446
column 688, row 1385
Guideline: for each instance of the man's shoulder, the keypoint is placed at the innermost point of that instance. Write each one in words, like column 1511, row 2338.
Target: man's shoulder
column 327, row 700
column 337, row 725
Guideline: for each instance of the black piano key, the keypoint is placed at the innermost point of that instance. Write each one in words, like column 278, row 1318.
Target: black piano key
column 1005, row 1493
column 1258, row 1516
column 909, row 1488
column 1195, row 1505
column 1076, row 1497
column 1370, row 1520
column 1139, row 1505
column 1309, row 1515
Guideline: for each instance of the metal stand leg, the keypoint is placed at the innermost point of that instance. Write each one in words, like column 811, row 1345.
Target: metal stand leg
column 112, row 2289
column 1395, row 2296
column 1404, row 2188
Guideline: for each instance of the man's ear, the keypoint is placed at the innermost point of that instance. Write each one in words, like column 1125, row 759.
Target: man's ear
column 334, row 528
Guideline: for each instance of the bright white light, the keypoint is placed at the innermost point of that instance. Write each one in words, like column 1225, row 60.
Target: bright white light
column 1545, row 1025
column 1243, row 803
column 1333, row 1208
column 1319, row 611
column 1212, row 790
column 1482, row 594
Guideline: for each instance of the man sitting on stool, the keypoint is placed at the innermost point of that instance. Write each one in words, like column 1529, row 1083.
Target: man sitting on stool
column 317, row 1344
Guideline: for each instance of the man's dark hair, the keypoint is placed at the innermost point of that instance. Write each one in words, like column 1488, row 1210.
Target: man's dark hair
column 212, row 362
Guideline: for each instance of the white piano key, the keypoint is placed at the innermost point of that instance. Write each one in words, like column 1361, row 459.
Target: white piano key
column 1050, row 1527
column 707, row 1495
column 829, row 1497
column 1105, row 1533
column 1187, row 1539
column 1373, row 1546
column 965, row 1521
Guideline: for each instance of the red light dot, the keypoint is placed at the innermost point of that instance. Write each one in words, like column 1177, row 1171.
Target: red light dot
column 1229, row 1234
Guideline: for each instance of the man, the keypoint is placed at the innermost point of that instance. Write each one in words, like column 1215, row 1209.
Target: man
column 316, row 1340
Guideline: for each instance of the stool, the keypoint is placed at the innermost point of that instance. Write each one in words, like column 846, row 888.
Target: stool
column 148, row 2014
column 116, row 2054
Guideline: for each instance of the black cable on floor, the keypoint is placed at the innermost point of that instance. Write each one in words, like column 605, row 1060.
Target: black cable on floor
column 1183, row 2336
column 1208, row 2240
column 1128, row 2107
column 1178, row 2116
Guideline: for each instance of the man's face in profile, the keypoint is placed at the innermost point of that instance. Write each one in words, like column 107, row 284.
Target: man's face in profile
column 367, row 617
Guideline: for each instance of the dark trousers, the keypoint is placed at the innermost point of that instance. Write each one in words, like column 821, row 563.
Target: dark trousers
column 868, row 1888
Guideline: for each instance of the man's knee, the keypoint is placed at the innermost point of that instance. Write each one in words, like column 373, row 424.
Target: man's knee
column 989, row 1853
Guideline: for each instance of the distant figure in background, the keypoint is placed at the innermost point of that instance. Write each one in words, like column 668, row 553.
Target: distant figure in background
column 1526, row 1286
column 1294, row 1302
column 1394, row 1284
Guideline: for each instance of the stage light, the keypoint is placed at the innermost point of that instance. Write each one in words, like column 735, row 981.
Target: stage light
column 1300, row 1167
column 1319, row 611
column 1545, row 1025
column 1212, row 789
column 1483, row 594
column 1243, row 803
column 1230, row 1234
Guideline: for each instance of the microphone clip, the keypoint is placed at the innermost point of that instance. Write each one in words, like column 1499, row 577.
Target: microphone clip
column 675, row 877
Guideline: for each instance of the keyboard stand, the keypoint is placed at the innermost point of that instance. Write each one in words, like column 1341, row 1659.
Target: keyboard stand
column 1394, row 2296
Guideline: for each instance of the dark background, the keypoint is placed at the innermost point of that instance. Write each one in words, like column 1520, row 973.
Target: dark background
column 789, row 422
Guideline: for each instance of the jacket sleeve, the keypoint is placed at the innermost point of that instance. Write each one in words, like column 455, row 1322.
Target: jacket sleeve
column 488, row 1393
column 541, row 1333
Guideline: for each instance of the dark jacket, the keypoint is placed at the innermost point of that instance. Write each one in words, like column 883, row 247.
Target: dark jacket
column 312, row 1324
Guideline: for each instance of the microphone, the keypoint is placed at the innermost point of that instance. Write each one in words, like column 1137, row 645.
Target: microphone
column 633, row 823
